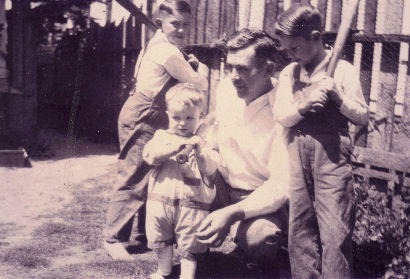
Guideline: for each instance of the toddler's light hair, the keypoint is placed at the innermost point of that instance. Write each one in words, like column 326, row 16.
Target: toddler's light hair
column 168, row 7
column 186, row 95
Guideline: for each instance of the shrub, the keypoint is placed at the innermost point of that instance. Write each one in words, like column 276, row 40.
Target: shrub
column 382, row 233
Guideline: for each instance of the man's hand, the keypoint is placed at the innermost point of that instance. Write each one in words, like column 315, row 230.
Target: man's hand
column 215, row 227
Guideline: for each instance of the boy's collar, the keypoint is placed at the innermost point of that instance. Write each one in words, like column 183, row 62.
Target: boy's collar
column 323, row 63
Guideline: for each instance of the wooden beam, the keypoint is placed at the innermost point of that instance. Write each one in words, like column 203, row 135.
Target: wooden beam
column 139, row 15
column 382, row 159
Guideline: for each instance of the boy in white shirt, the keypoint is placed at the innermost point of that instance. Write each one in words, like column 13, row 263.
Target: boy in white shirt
column 179, row 194
column 317, row 109
column 160, row 66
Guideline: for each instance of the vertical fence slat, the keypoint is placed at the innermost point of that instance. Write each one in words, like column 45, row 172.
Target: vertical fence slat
column 257, row 12
column 401, row 139
column 229, row 20
column 201, row 14
column 271, row 13
column 333, row 15
column 192, row 31
column 212, row 21
column 243, row 15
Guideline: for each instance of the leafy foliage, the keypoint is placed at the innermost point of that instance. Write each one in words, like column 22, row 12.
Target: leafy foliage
column 382, row 234
column 51, row 17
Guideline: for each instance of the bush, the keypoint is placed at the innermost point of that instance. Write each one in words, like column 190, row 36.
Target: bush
column 381, row 237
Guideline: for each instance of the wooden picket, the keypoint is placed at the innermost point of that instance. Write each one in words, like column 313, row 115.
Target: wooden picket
column 379, row 50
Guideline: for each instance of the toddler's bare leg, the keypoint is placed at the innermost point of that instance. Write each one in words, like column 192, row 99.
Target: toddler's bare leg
column 188, row 269
column 164, row 261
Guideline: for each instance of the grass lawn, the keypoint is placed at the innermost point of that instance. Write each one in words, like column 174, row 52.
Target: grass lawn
column 69, row 245
column 55, row 232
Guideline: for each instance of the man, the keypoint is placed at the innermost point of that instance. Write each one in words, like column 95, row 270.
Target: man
column 254, row 160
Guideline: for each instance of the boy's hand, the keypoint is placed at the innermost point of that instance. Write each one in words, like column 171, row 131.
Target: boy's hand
column 317, row 95
column 193, row 61
column 328, row 84
column 314, row 101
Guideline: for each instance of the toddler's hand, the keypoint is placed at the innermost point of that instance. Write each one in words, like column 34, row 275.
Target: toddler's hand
column 194, row 141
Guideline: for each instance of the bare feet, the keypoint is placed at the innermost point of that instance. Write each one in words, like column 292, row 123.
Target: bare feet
column 117, row 251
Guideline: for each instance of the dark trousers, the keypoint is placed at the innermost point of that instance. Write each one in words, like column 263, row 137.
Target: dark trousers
column 321, row 208
column 260, row 237
column 140, row 117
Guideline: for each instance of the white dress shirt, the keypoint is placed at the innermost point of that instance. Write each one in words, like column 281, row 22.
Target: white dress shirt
column 252, row 149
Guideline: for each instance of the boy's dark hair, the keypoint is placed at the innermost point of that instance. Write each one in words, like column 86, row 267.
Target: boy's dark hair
column 174, row 5
column 298, row 21
column 265, row 46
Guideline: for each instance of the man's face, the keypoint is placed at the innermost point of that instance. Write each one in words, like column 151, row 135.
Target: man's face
column 176, row 27
column 299, row 49
column 245, row 71
column 182, row 120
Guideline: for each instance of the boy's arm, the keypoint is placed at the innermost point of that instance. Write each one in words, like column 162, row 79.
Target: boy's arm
column 180, row 69
column 161, row 147
column 349, row 96
column 285, row 109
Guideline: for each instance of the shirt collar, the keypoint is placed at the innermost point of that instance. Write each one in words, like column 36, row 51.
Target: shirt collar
column 255, row 106
column 321, row 67
column 159, row 37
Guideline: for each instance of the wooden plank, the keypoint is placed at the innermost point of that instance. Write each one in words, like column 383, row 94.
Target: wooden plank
column 17, row 43
column 366, row 17
column 365, row 172
column 257, row 12
column 192, row 31
column 214, row 78
column 389, row 16
column 321, row 6
column 139, row 15
column 244, row 8
column 14, row 158
column 229, row 19
column 382, row 159
column 392, row 178
column 271, row 14
column 200, row 34
column 333, row 15
column 212, row 26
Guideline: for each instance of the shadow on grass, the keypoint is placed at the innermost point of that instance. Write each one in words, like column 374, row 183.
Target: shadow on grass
column 31, row 256
column 235, row 266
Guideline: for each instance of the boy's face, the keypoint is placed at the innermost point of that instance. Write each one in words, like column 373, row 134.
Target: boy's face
column 300, row 49
column 176, row 27
column 245, row 71
column 182, row 120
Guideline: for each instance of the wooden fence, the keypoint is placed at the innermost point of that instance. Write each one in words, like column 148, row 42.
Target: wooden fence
column 379, row 50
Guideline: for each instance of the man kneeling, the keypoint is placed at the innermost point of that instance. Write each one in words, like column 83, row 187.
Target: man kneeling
column 253, row 177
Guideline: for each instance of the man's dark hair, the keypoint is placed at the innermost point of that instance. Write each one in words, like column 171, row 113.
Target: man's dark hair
column 175, row 5
column 298, row 21
column 265, row 46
